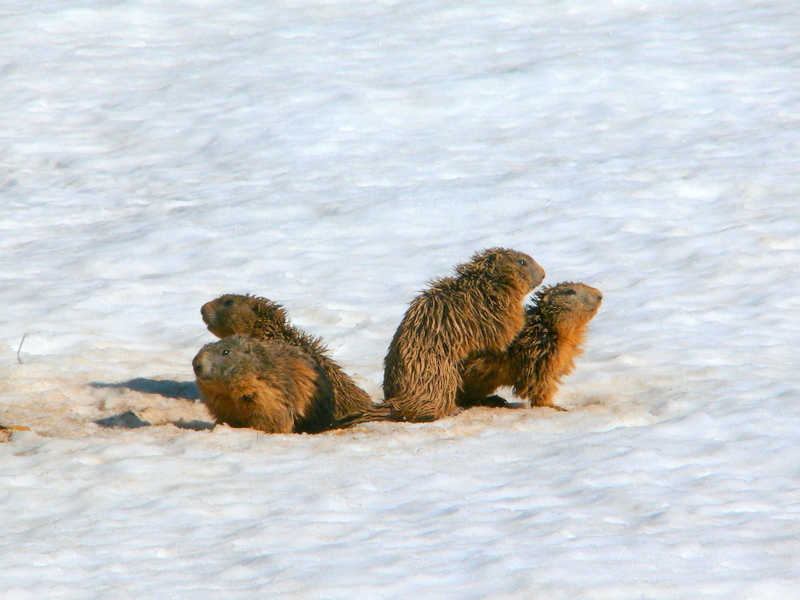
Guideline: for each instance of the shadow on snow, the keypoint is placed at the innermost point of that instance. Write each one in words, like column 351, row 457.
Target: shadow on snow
column 179, row 390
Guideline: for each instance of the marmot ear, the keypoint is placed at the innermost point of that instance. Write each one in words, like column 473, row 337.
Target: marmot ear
column 490, row 260
column 246, row 398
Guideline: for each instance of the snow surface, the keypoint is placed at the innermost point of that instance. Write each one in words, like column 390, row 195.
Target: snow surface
column 334, row 156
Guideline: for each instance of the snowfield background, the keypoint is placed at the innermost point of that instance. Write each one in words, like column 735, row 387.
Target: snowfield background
column 334, row 157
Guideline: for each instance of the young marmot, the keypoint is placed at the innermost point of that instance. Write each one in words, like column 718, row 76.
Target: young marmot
column 542, row 353
column 261, row 318
column 263, row 384
column 479, row 309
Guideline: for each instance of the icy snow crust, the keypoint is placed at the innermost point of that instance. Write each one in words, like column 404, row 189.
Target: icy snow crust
column 334, row 157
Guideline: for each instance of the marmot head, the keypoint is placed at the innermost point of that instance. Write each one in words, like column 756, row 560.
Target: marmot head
column 506, row 261
column 224, row 358
column 233, row 313
column 568, row 302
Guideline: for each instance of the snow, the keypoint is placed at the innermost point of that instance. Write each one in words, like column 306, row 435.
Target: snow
column 335, row 156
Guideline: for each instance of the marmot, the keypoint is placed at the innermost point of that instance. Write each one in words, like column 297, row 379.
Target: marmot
column 541, row 354
column 261, row 318
column 479, row 309
column 263, row 384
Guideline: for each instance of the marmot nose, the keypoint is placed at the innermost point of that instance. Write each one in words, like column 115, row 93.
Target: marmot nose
column 198, row 368
column 599, row 295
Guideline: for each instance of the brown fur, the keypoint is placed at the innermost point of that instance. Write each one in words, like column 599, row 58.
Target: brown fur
column 480, row 308
column 542, row 354
column 7, row 432
column 261, row 318
column 263, row 384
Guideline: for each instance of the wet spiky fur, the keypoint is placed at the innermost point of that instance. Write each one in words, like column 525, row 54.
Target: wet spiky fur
column 263, row 384
column 478, row 309
column 542, row 354
column 264, row 319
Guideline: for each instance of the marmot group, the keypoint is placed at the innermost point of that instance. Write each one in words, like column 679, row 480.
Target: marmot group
column 261, row 318
column 478, row 309
column 541, row 354
column 263, row 384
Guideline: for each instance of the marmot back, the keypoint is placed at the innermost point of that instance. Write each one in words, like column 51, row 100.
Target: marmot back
column 479, row 308
column 542, row 353
column 263, row 384
column 261, row 318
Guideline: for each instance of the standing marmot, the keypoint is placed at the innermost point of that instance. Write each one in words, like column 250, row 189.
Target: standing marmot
column 543, row 352
column 478, row 309
column 264, row 319
column 263, row 384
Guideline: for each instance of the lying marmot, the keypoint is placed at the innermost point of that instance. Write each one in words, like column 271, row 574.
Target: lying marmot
column 263, row 384
column 261, row 318
column 479, row 309
column 541, row 354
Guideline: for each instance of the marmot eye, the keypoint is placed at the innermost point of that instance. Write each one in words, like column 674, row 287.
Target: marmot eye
column 523, row 262
column 226, row 352
column 569, row 292
column 228, row 302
